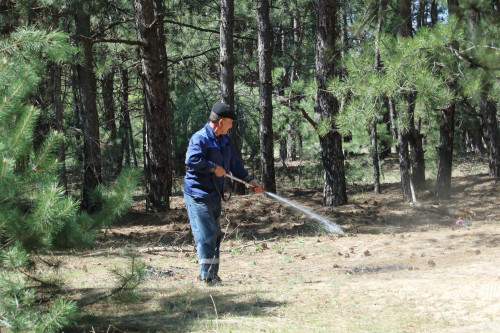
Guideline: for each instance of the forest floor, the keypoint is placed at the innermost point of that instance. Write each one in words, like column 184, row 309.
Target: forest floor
column 397, row 269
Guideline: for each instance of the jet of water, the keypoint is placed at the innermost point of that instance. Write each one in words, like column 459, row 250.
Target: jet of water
column 328, row 225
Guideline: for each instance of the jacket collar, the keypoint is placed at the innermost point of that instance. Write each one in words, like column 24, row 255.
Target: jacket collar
column 211, row 135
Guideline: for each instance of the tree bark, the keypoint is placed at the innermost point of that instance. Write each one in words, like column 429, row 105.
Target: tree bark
column 373, row 123
column 405, row 24
column 434, row 13
column 108, row 103
column 157, row 134
column 265, row 97
column 77, row 111
column 59, row 125
column 410, row 135
column 394, row 122
column 45, row 100
column 226, row 60
column 327, row 106
column 416, row 148
column 445, row 152
column 404, row 160
column 491, row 133
column 447, row 129
column 487, row 107
column 385, row 144
column 89, row 116
column 293, row 136
column 375, row 159
column 109, row 121
column 421, row 13
column 125, row 125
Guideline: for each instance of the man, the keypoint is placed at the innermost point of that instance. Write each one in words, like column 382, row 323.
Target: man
column 210, row 155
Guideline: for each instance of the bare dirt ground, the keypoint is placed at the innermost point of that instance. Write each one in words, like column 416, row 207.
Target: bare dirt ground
column 397, row 269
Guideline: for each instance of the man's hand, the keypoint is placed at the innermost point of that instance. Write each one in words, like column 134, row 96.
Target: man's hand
column 255, row 187
column 219, row 171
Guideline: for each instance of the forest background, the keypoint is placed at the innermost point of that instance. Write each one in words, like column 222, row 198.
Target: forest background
column 98, row 97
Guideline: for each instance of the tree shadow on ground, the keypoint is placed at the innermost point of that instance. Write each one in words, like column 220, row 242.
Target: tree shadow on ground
column 181, row 312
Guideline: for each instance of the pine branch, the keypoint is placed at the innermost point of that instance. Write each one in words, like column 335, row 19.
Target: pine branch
column 69, row 206
column 66, row 312
column 7, row 100
column 4, row 166
column 309, row 119
column 4, row 322
column 48, row 147
column 25, row 125
column 49, row 167
column 473, row 63
column 128, row 281
column 205, row 30
column 4, row 62
column 53, row 319
column 110, row 26
column 120, row 41
column 193, row 56
column 130, row 182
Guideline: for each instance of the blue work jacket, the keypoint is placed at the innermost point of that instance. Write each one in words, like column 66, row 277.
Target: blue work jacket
column 203, row 152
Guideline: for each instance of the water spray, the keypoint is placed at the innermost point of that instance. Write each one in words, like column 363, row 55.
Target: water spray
column 329, row 226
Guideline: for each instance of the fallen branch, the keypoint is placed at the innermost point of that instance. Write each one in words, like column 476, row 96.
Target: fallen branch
column 193, row 249
column 167, row 249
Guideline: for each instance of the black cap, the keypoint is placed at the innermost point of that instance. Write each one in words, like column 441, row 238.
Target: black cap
column 223, row 110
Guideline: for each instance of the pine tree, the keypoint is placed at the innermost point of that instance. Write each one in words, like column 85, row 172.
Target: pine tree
column 265, row 97
column 35, row 213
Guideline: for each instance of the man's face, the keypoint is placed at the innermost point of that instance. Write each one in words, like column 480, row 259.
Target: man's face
column 225, row 125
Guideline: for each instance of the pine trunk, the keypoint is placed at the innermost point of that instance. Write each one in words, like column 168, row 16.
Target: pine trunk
column 108, row 104
column 394, row 123
column 491, row 135
column 88, row 111
column 434, row 12
column 157, row 136
column 125, row 126
column 487, row 107
column 327, row 106
column 447, row 132
column 405, row 24
column 445, row 152
column 384, row 143
column 265, row 97
column 293, row 135
column 375, row 159
column 77, row 111
column 416, row 148
column 409, row 136
column 373, row 123
column 44, row 99
column 227, row 72
column 59, row 125
column 109, row 120
column 404, row 159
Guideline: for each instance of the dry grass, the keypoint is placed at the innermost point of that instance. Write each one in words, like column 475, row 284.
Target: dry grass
column 397, row 270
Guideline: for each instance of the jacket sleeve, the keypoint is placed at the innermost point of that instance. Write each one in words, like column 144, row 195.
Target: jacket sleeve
column 196, row 155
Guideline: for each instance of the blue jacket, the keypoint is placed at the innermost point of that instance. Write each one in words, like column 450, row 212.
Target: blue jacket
column 203, row 152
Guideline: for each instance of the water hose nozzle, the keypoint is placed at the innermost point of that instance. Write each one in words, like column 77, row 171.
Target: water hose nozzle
column 243, row 182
